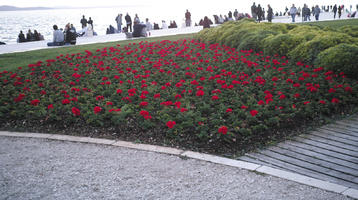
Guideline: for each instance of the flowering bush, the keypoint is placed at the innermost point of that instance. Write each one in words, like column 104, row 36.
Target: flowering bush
column 182, row 89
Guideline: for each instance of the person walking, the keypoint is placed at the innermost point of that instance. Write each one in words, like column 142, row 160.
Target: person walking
column 128, row 22
column 259, row 13
column 187, row 18
column 334, row 11
column 293, row 12
column 253, row 11
column 83, row 22
column 269, row 13
column 317, row 11
column 306, row 13
column 119, row 23
column 339, row 12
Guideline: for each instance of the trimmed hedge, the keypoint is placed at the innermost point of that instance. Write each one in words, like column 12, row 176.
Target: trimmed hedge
column 340, row 58
column 301, row 43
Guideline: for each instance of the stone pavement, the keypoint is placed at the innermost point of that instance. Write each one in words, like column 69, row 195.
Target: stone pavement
column 41, row 168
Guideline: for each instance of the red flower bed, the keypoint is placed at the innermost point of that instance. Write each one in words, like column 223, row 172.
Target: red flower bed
column 184, row 89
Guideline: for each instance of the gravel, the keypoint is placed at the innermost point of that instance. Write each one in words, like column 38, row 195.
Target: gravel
column 47, row 169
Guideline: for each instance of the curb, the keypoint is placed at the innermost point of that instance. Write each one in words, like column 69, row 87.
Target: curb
column 332, row 187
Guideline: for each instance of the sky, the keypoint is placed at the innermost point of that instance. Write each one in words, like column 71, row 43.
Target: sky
column 169, row 3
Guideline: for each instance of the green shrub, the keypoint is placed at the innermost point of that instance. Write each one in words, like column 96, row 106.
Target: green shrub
column 307, row 52
column 281, row 44
column 340, row 58
column 350, row 30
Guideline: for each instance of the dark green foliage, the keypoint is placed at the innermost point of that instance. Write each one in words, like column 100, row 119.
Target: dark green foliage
column 340, row 58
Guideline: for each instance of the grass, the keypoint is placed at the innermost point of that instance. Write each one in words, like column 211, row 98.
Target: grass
column 12, row 61
column 336, row 24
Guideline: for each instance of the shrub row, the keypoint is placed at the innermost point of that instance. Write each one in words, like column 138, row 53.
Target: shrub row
column 327, row 47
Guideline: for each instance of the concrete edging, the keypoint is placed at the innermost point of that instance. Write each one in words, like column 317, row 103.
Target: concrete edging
column 332, row 187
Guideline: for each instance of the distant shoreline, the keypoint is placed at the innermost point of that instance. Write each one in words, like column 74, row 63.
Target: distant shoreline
column 13, row 8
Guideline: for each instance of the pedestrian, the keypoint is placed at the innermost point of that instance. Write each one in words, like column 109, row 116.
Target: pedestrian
column 70, row 35
column 253, row 11
column 206, row 22
column 306, row 13
column 236, row 14
column 269, row 13
column 58, row 37
column 128, row 22
column 148, row 26
column 83, row 22
column 90, row 21
column 259, row 13
column 119, row 22
column 334, row 11
column 136, row 18
column 187, row 18
column 340, row 11
column 293, row 12
column 317, row 11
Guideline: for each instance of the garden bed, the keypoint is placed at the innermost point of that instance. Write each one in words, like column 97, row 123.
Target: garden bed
column 182, row 93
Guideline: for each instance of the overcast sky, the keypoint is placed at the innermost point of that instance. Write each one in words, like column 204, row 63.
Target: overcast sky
column 210, row 5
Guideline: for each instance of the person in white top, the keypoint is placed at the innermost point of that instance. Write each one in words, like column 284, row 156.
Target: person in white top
column 58, row 37
column 164, row 25
column 148, row 25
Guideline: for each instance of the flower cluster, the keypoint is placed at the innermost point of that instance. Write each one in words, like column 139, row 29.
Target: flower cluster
column 177, row 86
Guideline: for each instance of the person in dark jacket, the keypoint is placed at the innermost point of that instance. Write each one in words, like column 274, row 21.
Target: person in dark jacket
column 259, row 13
column 139, row 30
column 269, row 13
column 21, row 37
column 29, row 36
column 36, row 36
column 340, row 11
column 206, row 22
column 253, row 11
column 83, row 21
column 306, row 13
column 128, row 22
column 90, row 21
column 187, row 18
column 335, row 11
column 70, row 35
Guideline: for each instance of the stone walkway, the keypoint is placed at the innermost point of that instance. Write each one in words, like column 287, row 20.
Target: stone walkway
column 329, row 153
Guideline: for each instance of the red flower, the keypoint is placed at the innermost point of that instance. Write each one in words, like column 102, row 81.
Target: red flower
column 65, row 101
column 261, row 102
column 223, row 130
column 109, row 103
column 348, row 89
column 322, row 102
column 97, row 109
column 200, row 93
column 228, row 110
column 214, row 97
column 254, row 113
column 296, row 95
column 35, row 102
column 331, row 90
column 183, row 110
column 49, row 107
column 114, row 110
column 143, row 103
column 282, row 96
column 171, row 124
column 156, row 96
column 244, row 107
column 144, row 113
column 76, row 111
column 335, row 100
column 307, row 102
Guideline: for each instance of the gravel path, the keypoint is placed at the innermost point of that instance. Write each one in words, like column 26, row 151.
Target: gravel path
column 46, row 169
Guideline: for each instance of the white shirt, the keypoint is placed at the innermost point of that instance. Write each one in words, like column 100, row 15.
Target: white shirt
column 58, row 36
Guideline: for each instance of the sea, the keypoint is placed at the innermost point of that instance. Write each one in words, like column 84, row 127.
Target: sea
column 11, row 22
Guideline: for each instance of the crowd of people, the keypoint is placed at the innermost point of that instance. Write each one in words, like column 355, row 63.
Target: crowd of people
column 35, row 36
column 138, row 28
